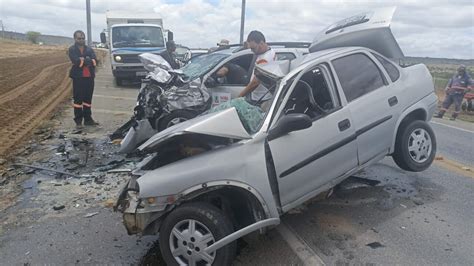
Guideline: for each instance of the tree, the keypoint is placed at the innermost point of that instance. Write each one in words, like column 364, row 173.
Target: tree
column 33, row 36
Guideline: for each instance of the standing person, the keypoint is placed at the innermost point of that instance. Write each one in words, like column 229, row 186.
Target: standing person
column 168, row 54
column 257, row 43
column 82, row 72
column 458, row 85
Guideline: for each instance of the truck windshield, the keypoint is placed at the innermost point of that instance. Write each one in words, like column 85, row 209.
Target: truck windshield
column 137, row 36
column 202, row 64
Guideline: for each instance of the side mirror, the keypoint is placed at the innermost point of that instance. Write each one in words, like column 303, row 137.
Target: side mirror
column 290, row 123
column 102, row 37
column 170, row 35
column 210, row 82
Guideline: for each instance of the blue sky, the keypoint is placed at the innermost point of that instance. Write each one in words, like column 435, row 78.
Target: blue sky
column 432, row 28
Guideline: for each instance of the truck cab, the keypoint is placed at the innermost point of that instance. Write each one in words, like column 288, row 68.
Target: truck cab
column 129, row 36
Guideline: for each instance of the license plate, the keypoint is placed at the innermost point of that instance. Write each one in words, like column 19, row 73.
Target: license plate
column 141, row 73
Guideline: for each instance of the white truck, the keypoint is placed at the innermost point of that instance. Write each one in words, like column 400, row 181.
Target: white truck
column 130, row 35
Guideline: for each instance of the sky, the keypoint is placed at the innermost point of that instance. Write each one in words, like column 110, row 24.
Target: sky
column 429, row 28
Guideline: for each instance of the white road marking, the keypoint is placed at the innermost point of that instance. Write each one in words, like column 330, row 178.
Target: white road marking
column 115, row 97
column 458, row 128
column 299, row 246
column 103, row 111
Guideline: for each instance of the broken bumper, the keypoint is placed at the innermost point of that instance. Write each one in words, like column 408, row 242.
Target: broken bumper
column 137, row 216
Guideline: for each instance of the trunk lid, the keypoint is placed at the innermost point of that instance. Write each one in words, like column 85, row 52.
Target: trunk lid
column 369, row 29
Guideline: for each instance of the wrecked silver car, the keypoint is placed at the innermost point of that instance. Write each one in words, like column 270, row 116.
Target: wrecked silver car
column 209, row 181
column 168, row 97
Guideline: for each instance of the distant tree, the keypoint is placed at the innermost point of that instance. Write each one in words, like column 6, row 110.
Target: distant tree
column 33, row 36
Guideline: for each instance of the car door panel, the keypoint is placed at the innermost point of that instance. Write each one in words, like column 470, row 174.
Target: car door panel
column 307, row 159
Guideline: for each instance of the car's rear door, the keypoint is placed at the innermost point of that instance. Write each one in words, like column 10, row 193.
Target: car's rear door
column 372, row 101
column 308, row 159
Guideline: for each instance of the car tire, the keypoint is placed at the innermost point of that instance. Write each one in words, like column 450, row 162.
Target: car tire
column 415, row 146
column 174, row 118
column 118, row 81
column 178, row 243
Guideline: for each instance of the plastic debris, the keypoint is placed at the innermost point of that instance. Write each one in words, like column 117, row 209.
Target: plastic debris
column 375, row 245
column 91, row 214
column 60, row 207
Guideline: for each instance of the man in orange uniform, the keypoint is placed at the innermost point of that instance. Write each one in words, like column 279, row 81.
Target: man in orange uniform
column 82, row 72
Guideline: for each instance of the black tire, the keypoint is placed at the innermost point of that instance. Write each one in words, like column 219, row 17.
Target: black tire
column 403, row 157
column 214, row 219
column 167, row 121
column 118, row 81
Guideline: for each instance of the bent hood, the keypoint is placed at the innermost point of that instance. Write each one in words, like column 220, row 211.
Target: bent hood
column 370, row 30
column 225, row 124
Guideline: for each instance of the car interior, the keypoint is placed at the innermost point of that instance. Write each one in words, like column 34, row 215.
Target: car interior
column 310, row 96
column 245, row 62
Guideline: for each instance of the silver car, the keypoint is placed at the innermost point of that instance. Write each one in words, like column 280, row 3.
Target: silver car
column 337, row 110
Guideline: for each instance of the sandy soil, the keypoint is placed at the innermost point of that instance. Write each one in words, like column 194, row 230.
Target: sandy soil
column 30, row 88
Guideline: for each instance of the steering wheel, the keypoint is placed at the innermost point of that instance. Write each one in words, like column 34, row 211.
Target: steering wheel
column 314, row 105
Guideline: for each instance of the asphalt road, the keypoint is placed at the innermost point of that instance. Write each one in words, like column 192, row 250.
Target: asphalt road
column 407, row 218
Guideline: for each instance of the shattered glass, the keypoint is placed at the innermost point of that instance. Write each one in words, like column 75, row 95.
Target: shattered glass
column 250, row 115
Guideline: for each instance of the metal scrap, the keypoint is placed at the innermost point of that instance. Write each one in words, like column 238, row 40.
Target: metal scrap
column 47, row 169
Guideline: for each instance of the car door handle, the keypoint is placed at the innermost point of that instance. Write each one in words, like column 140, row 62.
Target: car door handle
column 393, row 101
column 344, row 124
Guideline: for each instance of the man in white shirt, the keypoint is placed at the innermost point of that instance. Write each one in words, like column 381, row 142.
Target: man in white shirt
column 256, row 42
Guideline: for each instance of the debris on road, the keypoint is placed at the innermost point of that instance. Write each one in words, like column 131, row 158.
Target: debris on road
column 46, row 169
column 375, row 245
column 91, row 214
column 60, row 207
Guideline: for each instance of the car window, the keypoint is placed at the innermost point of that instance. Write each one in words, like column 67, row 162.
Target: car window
column 285, row 56
column 200, row 65
column 389, row 67
column 311, row 95
column 238, row 71
column 358, row 75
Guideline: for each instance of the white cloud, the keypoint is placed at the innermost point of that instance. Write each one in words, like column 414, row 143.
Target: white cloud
column 423, row 28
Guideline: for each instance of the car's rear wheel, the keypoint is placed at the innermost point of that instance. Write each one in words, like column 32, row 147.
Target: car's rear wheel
column 174, row 118
column 415, row 146
column 189, row 230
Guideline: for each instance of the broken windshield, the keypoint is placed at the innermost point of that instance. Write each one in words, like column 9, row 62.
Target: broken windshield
column 137, row 36
column 202, row 64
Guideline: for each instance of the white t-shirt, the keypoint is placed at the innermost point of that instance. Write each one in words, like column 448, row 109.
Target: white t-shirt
column 265, row 58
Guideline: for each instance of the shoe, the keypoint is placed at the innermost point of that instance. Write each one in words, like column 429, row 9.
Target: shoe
column 452, row 118
column 78, row 123
column 90, row 123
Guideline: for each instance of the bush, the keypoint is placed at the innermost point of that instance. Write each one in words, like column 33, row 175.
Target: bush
column 33, row 36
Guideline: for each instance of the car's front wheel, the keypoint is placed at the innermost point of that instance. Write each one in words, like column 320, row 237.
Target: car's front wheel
column 174, row 118
column 415, row 146
column 189, row 230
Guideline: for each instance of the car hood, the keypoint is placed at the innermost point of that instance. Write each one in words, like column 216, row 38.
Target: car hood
column 225, row 124
column 370, row 30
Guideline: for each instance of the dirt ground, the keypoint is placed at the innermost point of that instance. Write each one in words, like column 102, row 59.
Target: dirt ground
column 33, row 81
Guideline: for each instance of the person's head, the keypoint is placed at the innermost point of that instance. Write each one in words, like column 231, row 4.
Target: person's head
column 461, row 70
column 223, row 42
column 79, row 37
column 170, row 46
column 256, row 42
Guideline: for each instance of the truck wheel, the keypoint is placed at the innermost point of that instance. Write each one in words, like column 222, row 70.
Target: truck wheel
column 118, row 81
column 415, row 146
column 174, row 118
column 189, row 230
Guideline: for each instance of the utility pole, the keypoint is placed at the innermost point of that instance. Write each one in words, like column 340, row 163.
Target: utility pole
column 3, row 29
column 88, row 14
column 242, row 22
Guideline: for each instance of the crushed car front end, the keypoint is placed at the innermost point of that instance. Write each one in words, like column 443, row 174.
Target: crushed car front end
column 141, row 215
